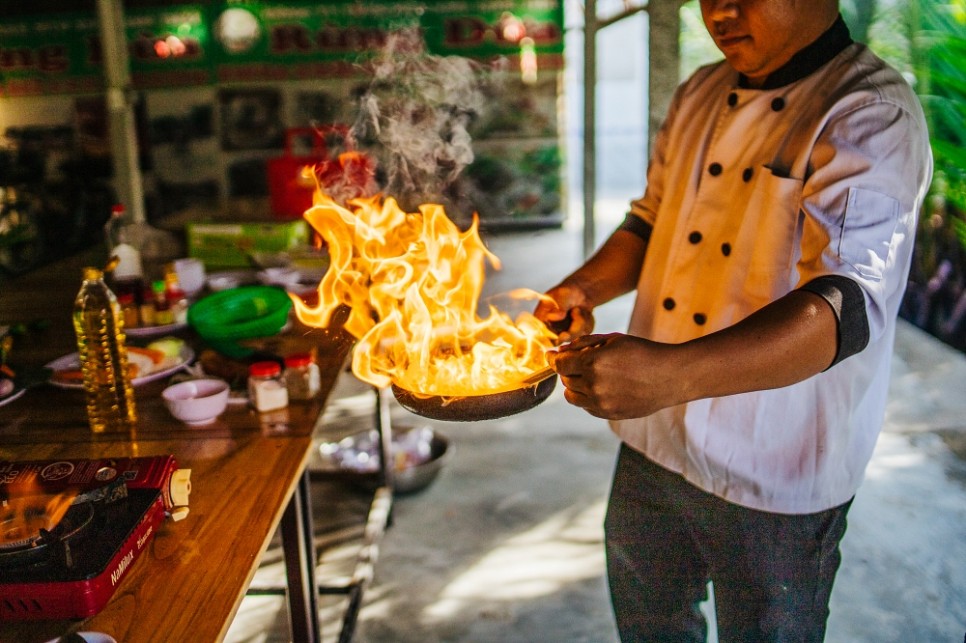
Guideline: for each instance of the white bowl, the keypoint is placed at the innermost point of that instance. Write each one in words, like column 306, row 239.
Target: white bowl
column 197, row 402
column 228, row 279
column 284, row 277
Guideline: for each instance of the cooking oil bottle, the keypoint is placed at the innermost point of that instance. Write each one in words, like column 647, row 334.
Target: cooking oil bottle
column 103, row 356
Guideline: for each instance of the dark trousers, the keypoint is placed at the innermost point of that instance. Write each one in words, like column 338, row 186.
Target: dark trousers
column 772, row 573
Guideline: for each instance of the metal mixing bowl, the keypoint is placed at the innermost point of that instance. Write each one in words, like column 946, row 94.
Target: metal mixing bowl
column 419, row 454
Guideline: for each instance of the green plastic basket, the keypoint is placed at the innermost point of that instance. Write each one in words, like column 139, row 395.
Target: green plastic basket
column 226, row 317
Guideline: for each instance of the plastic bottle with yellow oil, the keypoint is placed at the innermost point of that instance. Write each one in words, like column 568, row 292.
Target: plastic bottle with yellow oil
column 103, row 356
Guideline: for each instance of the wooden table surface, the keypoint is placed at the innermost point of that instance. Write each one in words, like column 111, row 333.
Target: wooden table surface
column 245, row 467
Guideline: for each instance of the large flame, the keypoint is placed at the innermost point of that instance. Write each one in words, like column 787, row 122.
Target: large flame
column 412, row 282
column 28, row 509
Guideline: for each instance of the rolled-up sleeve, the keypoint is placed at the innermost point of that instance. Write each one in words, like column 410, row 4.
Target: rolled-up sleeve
column 845, row 298
column 860, row 211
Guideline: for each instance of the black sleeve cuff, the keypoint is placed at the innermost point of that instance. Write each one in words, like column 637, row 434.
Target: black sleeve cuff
column 847, row 302
column 636, row 225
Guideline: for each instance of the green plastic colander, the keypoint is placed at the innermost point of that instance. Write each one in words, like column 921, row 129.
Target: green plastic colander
column 226, row 317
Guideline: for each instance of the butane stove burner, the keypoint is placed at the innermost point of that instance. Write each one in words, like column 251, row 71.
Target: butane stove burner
column 72, row 570
column 25, row 545
column 72, row 529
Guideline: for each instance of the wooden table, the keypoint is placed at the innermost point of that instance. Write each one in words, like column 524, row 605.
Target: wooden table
column 248, row 474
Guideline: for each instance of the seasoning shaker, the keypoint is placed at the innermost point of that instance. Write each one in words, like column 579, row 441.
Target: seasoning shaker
column 302, row 376
column 266, row 386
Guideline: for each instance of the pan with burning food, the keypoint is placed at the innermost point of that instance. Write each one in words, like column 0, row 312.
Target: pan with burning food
column 489, row 406
column 412, row 283
column 474, row 408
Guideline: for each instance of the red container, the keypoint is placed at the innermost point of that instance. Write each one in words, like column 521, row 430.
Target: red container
column 291, row 178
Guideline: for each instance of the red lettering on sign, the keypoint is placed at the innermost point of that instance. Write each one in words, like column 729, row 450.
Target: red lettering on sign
column 21, row 58
column 464, row 31
column 287, row 39
column 290, row 38
column 48, row 58
column 53, row 58
column 468, row 31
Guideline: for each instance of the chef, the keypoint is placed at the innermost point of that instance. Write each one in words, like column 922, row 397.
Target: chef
column 769, row 255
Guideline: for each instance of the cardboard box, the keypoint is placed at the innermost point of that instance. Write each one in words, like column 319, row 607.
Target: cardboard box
column 227, row 245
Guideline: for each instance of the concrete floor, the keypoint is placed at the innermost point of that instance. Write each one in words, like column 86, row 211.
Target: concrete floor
column 506, row 544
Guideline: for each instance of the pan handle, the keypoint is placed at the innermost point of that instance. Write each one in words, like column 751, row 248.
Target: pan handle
column 538, row 376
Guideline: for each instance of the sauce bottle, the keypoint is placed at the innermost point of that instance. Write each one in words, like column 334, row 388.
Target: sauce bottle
column 163, row 315
column 175, row 296
column 129, row 309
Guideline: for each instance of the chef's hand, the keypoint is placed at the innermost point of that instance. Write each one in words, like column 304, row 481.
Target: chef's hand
column 619, row 376
column 565, row 311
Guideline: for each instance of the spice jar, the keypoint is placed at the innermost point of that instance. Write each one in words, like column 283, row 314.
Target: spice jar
column 129, row 310
column 146, row 306
column 266, row 388
column 301, row 376
column 163, row 314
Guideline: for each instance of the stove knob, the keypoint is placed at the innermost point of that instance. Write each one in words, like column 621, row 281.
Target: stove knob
column 180, row 486
column 179, row 513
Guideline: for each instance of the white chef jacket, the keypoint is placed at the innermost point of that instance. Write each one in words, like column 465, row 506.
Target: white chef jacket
column 752, row 193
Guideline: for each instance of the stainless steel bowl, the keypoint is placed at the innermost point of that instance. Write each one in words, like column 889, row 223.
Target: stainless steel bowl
column 419, row 454
column 413, row 478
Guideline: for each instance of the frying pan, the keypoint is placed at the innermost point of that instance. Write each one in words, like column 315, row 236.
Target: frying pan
column 473, row 408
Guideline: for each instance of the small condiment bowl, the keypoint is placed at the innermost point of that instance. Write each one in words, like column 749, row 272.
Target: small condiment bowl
column 197, row 402
column 284, row 277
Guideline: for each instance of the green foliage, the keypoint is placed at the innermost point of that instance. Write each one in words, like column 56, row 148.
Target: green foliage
column 938, row 32
column 859, row 16
column 697, row 47
column 926, row 40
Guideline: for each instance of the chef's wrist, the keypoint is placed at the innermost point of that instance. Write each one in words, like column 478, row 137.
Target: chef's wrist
column 571, row 293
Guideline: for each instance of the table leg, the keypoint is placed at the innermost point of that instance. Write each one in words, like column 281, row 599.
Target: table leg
column 299, row 548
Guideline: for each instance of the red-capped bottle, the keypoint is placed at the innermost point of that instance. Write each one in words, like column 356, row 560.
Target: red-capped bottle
column 266, row 388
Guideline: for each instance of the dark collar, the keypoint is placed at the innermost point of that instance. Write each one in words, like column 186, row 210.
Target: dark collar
column 829, row 45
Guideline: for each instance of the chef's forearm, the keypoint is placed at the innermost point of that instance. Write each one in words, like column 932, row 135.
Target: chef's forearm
column 612, row 271
column 785, row 342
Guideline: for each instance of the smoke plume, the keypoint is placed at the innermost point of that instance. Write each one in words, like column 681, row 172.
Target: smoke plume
column 417, row 112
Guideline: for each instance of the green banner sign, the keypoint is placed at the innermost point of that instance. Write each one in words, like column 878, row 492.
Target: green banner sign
column 206, row 43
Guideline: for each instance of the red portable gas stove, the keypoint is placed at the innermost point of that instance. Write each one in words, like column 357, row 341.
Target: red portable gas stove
column 70, row 530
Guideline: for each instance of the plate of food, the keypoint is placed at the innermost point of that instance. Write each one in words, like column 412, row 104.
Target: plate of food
column 147, row 364
column 154, row 331
column 9, row 391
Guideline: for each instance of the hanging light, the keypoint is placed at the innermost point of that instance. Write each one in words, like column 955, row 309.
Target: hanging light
column 512, row 28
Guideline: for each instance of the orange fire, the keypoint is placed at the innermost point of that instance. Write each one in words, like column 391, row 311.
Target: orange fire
column 28, row 510
column 412, row 282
